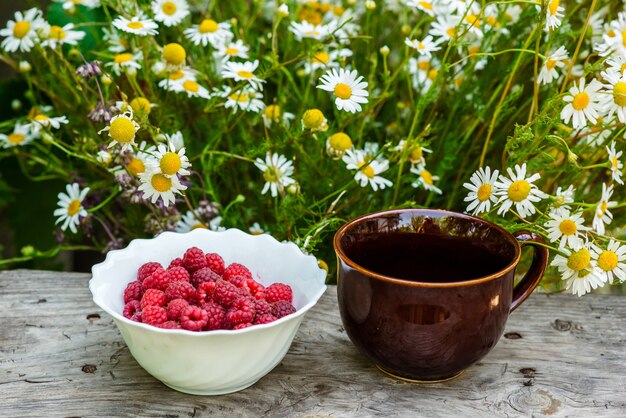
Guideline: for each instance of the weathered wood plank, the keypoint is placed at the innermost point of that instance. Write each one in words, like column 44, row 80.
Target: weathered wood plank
column 61, row 356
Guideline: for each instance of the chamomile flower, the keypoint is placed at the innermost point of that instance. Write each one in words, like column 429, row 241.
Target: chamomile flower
column 104, row 157
column 578, row 269
column 326, row 59
column 155, row 185
column 565, row 227
column 243, row 72
column 415, row 152
column 125, row 62
column 305, row 29
column 170, row 162
column 603, row 215
column 224, row 52
column 549, row 68
column 193, row 89
column 611, row 261
column 314, row 120
column 255, row 229
column 137, row 25
column 122, row 129
column 445, row 28
column 273, row 114
column 554, row 14
column 143, row 158
column 367, row 169
column 170, row 12
column 21, row 135
column 189, row 221
column 209, row 32
column 582, row 104
column 425, row 179
column 21, row 33
column 616, row 164
column 55, row 36
column 116, row 43
column 518, row 191
column 175, row 79
column 614, row 40
column 246, row 99
column 40, row 121
column 71, row 4
column 425, row 47
column 481, row 190
column 614, row 98
column 277, row 171
column 425, row 6
column 562, row 198
column 347, row 86
column 71, row 208
column 174, row 56
column 338, row 144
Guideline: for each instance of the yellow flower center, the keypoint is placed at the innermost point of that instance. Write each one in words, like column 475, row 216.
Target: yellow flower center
column 614, row 162
column 432, row 74
column 451, row 32
column 199, row 226
column 191, row 86
column 41, row 118
column 136, row 166
column 603, row 207
column 312, row 118
column 170, row 163
column 121, row 58
column 140, row 105
column 208, row 26
column 550, row 64
column 367, row 170
column 21, row 29
column 174, row 54
column 427, row 177
column 581, row 100
column 611, row 33
column 568, row 227
column 484, row 192
column 321, row 57
column 15, row 138
column 272, row 174
column 338, row 11
column 579, row 260
column 425, row 5
column 420, row 46
column 74, row 207
column 607, row 260
column 619, row 93
column 245, row 74
column 416, row 154
column 272, row 112
column 232, row 51
column 340, row 142
column 161, row 183
column 472, row 20
column 122, row 130
column 135, row 25
column 423, row 65
column 56, row 32
column 519, row 190
column 176, row 75
column 624, row 38
column 492, row 21
column 474, row 49
column 312, row 16
column 239, row 97
column 343, row 91
column 169, row 8
column 553, row 7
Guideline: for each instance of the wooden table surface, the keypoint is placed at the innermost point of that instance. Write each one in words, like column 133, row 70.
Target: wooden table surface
column 60, row 355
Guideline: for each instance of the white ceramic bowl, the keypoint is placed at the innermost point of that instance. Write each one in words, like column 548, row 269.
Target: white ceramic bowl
column 214, row 362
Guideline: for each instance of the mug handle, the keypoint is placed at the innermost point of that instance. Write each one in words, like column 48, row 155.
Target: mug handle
column 534, row 274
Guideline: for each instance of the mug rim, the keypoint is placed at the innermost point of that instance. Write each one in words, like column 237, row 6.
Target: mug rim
column 378, row 214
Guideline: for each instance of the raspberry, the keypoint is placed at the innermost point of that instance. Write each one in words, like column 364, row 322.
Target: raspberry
column 177, row 262
column 136, row 317
column 225, row 293
column 255, row 286
column 178, row 273
column 133, row 291
column 242, row 326
column 194, row 259
column 153, row 297
column 193, row 318
column 159, row 279
column 215, row 262
column 205, row 291
column 282, row 308
column 241, row 282
column 147, row 269
column 181, row 290
column 216, row 315
column 278, row 291
column 264, row 319
column 169, row 325
column 205, row 274
column 236, row 269
column 262, row 307
column 131, row 308
column 241, row 312
column 153, row 315
column 175, row 307
column 259, row 295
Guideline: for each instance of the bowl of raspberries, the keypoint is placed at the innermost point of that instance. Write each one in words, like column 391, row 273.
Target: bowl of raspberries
column 208, row 312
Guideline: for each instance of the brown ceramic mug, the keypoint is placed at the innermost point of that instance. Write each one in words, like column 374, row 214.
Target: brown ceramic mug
column 426, row 293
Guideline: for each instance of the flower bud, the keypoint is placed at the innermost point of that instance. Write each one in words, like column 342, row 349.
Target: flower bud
column 283, row 10
column 370, row 5
column 24, row 67
column 384, row 50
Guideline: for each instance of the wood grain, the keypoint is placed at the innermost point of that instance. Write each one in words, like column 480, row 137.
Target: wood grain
column 60, row 355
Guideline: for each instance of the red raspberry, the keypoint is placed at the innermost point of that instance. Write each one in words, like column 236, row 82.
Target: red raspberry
column 175, row 307
column 147, row 269
column 178, row 273
column 131, row 308
column 205, row 292
column 236, row 269
column 278, row 291
column 241, row 312
column 242, row 326
column 255, row 286
column 159, row 279
column 262, row 307
column 215, row 262
column 153, row 315
column 282, row 308
column 153, row 297
column 259, row 295
column 181, row 290
column 225, row 293
column 264, row 319
column 193, row 318
column 136, row 317
column 216, row 315
column 177, row 262
column 133, row 291
column 194, row 259
column 205, row 274
column 169, row 325
column 241, row 282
